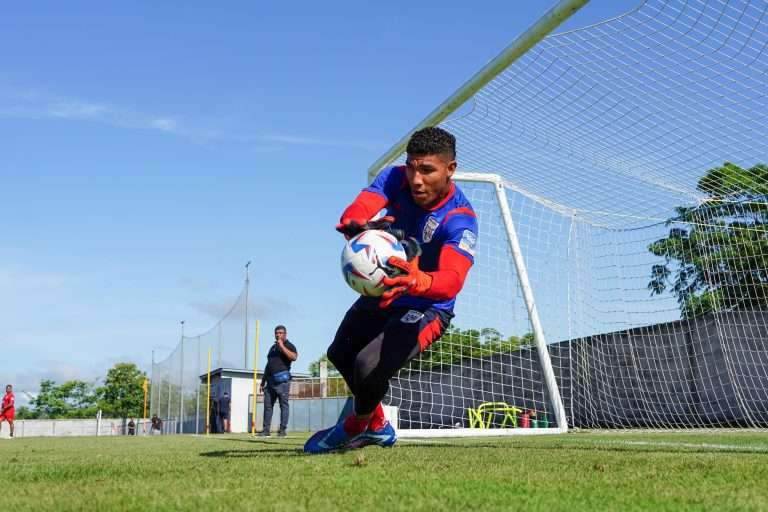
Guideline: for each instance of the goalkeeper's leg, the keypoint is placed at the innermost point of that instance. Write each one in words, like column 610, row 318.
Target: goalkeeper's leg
column 358, row 328
column 406, row 334
column 368, row 354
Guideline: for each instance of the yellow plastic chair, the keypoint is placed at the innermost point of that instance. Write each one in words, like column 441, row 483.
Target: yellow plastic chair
column 483, row 415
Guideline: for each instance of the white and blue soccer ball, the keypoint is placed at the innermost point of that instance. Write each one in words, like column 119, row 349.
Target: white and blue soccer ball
column 364, row 261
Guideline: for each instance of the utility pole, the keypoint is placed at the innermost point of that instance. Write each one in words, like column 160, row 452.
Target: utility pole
column 245, row 339
column 152, row 383
column 197, row 387
column 181, row 382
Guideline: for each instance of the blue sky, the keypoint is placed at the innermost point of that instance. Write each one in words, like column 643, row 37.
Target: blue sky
column 147, row 151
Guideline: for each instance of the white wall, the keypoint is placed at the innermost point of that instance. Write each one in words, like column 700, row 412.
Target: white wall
column 242, row 388
column 65, row 428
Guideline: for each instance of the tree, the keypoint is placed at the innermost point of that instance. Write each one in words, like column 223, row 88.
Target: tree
column 314, row 367
column 122, row 394
column 25, row 413
column 456, row 344
column 716, row 253
column 72, row 399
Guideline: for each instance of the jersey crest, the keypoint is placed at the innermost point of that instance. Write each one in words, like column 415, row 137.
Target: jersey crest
column 429, row 229
column 412, row 317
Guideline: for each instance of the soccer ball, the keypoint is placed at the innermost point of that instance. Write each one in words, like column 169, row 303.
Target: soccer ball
column 364, row 261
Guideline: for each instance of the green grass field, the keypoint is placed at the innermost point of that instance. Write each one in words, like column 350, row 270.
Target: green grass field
column 579, row 471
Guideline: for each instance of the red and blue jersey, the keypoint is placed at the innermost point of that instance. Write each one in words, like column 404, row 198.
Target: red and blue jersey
column 446, row 232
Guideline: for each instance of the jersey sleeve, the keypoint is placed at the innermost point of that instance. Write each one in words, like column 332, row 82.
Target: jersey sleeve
column 461, row 232
column 388, row 182
column 374, row 198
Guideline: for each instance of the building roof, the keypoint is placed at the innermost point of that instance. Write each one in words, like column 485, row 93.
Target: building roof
column 245, row 373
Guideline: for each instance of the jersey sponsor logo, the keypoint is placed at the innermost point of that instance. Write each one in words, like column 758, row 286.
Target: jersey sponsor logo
column 429, row 229
column 468, row 241
column 412, row 317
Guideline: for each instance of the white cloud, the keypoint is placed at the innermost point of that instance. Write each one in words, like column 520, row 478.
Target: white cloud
column 77, row 110
column 36, row 105
column 32, row 280
column 258, row 307
column 320, row 142
column 26, row 382
column 165, row 124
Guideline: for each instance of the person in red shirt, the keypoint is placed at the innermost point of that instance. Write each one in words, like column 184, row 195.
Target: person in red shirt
column 8, row 409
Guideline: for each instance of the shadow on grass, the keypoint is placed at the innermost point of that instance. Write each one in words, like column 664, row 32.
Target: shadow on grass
column 294, row 447
column 258, row 440
column 239, row 454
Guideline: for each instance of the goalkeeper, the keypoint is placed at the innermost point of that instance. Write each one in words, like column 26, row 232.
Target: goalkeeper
column 378, row 336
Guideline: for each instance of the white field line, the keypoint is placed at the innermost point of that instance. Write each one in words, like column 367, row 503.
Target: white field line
column 707, row 446
column 590, row 444
column 414, row 440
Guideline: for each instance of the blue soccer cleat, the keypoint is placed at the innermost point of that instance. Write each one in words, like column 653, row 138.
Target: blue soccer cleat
column 384, row 437
column 328, row 440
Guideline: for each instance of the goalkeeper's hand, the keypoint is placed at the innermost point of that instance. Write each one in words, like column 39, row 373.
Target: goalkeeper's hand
column 352, row 227
column 412, row 282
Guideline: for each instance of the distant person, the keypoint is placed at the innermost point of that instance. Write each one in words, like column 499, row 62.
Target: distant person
column 8, row 409
column 276, row 382
column 224, row 412
column 157, row 425
column 214, row 428
column 131, row 427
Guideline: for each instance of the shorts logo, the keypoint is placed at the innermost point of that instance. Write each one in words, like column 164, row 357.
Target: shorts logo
column 468, row 241
column 429, row 229
column 412, row 317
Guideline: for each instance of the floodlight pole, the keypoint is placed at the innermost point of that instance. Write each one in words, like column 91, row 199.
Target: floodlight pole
column 197, row 387
column 170, row 388
column 181, row 382
column 245, row 339
column 152, row 383
column 535, row 33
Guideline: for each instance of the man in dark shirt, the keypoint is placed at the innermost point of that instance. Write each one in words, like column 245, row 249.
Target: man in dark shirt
column 224, row 406
column 276, row 381
column 157, row 425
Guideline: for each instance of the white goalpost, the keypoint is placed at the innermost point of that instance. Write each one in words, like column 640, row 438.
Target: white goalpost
column 619, row 176
column 484, row 416
column 493, row 367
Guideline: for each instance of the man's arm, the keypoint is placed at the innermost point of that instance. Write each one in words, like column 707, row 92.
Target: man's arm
column 371, row 201
column 288, row 352
column 363, row 208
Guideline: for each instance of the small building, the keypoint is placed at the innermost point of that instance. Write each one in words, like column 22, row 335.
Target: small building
column 239, row 384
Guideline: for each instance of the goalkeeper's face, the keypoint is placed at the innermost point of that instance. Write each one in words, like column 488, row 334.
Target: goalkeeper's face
column 429, row 177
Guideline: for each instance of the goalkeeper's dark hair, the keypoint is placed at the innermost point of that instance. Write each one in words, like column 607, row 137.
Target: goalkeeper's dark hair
column 432, row 141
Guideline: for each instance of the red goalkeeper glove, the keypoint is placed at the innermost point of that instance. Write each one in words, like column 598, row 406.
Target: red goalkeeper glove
column 412, row 282
column 350, row 227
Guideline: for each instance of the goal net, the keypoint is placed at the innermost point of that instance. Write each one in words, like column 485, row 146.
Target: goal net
column 631, row 155
column 178, row 394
